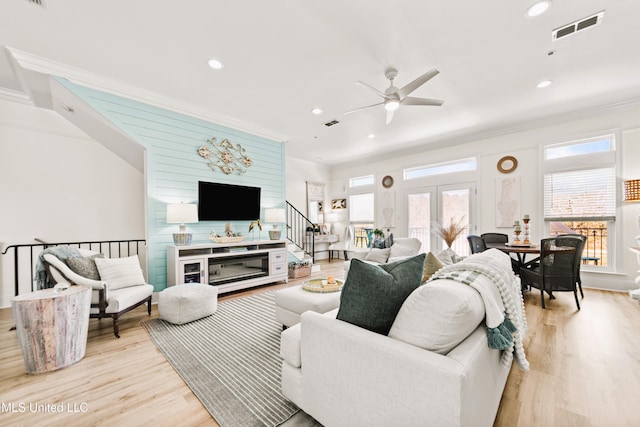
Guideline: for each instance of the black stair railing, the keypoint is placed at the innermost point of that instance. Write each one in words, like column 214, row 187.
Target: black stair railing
column 25, row 256
column 300, row 231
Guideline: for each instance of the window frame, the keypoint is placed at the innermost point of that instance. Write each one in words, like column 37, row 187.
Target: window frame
column 586, row 161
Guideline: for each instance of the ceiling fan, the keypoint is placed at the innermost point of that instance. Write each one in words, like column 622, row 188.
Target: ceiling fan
column 394, row 97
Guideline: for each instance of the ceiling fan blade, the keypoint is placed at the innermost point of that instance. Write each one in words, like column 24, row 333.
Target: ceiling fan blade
column 390, row 115
column 368, row 86
column 406, row 90
column 411, row 100
column 362, row 108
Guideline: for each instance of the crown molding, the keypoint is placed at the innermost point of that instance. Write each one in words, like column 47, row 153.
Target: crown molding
column 15, row 96
column 115, row 87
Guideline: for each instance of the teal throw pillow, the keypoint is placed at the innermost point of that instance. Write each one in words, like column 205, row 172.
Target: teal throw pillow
column 373, row 294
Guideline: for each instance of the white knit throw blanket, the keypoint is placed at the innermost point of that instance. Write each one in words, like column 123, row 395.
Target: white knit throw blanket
column 495, row 265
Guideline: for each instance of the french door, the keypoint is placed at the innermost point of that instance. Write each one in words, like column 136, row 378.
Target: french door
column 444, row 204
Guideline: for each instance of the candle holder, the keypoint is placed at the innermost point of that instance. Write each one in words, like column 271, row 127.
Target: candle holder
column 516, row 235
column 527, row 230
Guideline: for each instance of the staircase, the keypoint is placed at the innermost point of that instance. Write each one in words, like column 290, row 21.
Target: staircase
column 301, row 243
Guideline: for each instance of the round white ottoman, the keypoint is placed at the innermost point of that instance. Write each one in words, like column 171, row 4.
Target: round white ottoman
column 185, row 303
column 292, row 302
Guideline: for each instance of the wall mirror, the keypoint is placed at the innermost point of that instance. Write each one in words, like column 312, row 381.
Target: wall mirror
column 315, row 201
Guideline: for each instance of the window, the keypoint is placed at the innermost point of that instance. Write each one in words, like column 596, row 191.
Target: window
column 588, row 146
column 463, row 165
column 361, row 181
column 580, row 195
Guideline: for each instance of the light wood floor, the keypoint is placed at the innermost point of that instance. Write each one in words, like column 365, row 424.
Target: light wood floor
column 585, row 371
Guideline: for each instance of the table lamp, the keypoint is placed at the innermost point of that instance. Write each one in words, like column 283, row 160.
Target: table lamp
column 275, row 216
column 181, row 213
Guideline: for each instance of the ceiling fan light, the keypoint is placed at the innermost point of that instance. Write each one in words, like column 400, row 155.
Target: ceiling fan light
column 538, row 8
column 391, row 104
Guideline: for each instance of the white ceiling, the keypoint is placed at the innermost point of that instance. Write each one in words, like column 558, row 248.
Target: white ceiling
column 284, row 57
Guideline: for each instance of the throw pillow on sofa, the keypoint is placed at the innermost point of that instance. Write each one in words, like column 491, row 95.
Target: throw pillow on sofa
column 438, row 316
column 383, row 243
column 431, row 265
column 378, row 255
column 373, row 294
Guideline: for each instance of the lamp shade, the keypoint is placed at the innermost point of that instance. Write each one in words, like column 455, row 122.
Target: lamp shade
column 274, row 215
column 632, row 190
column 180, row 213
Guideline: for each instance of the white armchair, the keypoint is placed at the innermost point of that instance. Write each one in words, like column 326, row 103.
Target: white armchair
column 345, row 244
column 123, row 294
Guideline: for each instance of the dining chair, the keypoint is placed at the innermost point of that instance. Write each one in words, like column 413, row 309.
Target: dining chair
column 557, row 271
column 494, row 239
column 579, row 251
column 476, row 244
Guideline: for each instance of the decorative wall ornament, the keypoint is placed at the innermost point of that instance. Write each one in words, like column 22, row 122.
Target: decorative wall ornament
column 338, row 204
column 507, row 201
column 225, row 156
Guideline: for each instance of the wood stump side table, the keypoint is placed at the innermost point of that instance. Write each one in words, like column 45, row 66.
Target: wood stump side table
column 52, row 327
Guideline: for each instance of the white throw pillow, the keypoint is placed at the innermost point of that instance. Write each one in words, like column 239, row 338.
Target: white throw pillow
column 404, row 247
column 438, row 316
column 120, row 272
column 378, row 255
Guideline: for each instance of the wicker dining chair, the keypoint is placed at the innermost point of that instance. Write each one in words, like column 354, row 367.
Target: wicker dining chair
column 557, row 270
column 476, row 244
column 579, row 251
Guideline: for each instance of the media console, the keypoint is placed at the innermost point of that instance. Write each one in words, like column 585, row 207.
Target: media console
column 228, row 266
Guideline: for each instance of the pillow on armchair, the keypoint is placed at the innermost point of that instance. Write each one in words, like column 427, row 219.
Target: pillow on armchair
column 120, row 272
column 86, row 266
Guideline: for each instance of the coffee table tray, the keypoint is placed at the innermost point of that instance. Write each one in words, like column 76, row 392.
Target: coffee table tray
column 321, row 285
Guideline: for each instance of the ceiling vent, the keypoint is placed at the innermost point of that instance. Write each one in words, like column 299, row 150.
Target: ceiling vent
column 577, row 26
column 331, row 123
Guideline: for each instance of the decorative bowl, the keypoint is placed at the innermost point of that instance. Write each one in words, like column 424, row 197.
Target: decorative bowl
column 226, row 239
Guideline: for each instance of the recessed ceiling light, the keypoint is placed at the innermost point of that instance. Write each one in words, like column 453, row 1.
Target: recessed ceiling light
column 316, row 110
column 544, row 83
column 216, row 64
column 538, row 8
column 371, row 136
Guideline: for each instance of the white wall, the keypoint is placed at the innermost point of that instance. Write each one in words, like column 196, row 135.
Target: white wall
column 60, row 185
column 525, row 146
column 298, row 173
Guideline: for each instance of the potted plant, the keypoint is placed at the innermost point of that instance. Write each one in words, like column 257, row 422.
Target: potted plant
column 378, row 234
column 449, row 233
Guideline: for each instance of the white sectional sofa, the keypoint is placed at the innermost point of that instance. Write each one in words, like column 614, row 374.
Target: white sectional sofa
column 345, row 375
column 402, row 247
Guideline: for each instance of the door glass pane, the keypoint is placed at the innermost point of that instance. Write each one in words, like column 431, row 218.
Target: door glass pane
column 456, row 210
column 419, row 209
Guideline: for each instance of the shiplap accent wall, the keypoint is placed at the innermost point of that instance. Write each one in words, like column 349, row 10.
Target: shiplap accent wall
column 173, row 168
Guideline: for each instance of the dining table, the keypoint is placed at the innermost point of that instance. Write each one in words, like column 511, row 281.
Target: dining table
column 522, row 250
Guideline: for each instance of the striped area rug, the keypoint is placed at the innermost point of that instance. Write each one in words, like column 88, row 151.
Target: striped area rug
column 230, row 360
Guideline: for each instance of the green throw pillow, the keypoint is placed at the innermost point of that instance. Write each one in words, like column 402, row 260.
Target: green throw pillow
column 373, row 294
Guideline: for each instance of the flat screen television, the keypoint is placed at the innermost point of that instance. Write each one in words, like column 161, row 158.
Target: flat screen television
column 227, row 202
